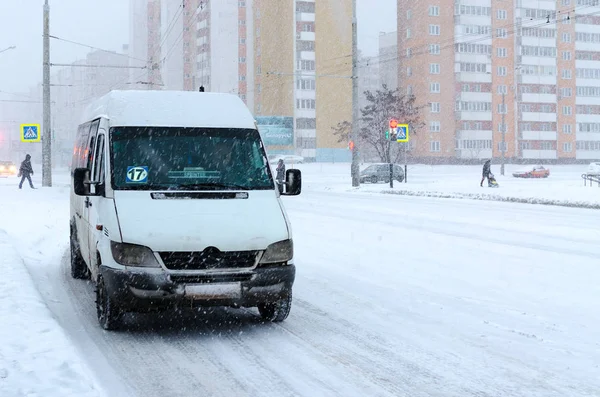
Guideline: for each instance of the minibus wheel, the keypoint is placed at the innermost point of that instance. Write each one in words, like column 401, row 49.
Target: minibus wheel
column 109, row 314
column 278, row 310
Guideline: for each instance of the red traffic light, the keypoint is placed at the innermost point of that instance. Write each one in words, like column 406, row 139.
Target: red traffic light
column 393, row 123
column 351, row 145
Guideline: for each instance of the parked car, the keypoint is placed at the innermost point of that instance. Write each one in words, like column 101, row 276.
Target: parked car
column 535, row 171
column 381, row 173
column 287, row 158
column 593, row 169
column 7, row 168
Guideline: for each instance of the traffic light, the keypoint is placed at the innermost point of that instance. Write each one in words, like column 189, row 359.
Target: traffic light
column 387, row 135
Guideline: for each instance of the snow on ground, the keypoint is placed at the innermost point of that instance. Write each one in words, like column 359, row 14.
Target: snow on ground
column 394, row 296
column 36, row 356
column 564, row 185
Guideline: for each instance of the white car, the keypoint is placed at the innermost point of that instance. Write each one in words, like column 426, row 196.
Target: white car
column 593, row 169
column 287, row 158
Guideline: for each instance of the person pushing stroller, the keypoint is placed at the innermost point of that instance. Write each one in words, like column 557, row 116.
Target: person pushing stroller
column 487, row 174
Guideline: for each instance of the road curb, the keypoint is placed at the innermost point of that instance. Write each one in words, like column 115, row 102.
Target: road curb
column 492, row 197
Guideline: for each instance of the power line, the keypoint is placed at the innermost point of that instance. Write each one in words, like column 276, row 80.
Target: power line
column 94, row 48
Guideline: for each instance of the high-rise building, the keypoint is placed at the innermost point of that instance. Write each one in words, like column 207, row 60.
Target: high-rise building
column 145, row 44
column 265, row 51
column 513, row 76
column 388, row 59
column 302, row 72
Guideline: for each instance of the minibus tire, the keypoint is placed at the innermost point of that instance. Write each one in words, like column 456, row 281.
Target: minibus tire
column 276, row 311
column 108, row 312
column 79, row 269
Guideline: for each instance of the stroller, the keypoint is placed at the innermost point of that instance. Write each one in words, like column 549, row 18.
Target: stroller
column 492, row 181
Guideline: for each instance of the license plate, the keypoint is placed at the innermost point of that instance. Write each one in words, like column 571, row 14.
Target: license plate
column 214, row 291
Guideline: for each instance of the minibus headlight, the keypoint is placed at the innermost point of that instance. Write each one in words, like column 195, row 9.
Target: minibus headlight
column 133, row 255
column 282, row 251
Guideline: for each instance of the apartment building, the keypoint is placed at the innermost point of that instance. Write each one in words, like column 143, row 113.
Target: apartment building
column 388, row 59
column 302, row 72
column 516, row 76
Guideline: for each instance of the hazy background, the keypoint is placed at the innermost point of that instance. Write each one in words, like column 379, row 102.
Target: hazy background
column 105, row 24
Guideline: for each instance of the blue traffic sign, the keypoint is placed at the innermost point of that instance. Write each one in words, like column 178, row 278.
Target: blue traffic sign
column 30, row 133
column 402, row 133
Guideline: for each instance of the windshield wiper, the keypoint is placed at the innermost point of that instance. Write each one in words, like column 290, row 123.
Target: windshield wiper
column 211, row 186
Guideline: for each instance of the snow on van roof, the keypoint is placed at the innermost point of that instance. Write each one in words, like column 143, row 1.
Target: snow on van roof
column 171, row 108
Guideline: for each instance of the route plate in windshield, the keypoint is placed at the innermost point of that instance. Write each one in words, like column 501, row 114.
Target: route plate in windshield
column 214, row 291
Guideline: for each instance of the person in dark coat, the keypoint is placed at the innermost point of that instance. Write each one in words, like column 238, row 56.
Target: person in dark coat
column 26, row 170
column 487, row 169
column 280, row 177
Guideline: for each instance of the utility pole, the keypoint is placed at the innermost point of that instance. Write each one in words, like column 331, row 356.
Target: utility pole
column 47, row 133
column 355, row 171
column 503, row 147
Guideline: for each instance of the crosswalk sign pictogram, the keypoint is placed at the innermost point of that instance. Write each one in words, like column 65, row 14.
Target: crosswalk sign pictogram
column 30, row 133
column 402, row 133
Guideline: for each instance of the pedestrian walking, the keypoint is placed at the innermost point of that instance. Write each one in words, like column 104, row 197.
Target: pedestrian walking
column 25, row 172
column 487, row 170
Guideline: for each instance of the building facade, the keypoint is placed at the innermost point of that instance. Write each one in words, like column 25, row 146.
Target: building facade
column 388, row 59
column 513, row 77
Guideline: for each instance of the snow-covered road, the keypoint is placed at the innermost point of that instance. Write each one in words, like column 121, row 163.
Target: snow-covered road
column 395, row 296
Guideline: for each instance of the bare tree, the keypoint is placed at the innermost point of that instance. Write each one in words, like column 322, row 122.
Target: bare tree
column 383, row 105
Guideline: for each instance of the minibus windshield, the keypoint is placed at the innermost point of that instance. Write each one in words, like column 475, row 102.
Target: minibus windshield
column 177, row 158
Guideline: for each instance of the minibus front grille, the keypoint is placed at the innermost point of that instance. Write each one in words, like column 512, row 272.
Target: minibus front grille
column 209, row 259
column 209, row 279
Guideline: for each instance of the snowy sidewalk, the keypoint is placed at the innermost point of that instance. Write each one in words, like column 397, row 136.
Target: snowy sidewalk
column 36, row 357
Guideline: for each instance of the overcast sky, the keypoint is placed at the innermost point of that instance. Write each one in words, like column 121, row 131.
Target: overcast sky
column 105, row 24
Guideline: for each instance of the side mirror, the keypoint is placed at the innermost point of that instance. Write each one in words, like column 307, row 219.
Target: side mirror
column 81, row 181
column 293, row 182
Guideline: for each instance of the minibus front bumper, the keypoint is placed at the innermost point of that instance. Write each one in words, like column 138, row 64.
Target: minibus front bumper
column 139, row 290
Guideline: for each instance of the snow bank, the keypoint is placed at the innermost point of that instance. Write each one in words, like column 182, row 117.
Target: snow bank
column 496, row 197
column 564, row 187
column 36, row 357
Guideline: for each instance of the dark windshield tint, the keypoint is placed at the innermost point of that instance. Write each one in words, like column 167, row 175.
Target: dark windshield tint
column 153, row 158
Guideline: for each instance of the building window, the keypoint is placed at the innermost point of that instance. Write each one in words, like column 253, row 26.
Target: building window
column 242, row 77
column 434, row 30
column 258, row 88
column 502, row 146
column 502, row 108
column 242, row 4
column 501, row 52
column 259, row 69
column 565, row 2
column 434, row 146
column 566, row 74
column 566, row 37
column 501, row 14
column 566, row 92
column 434, row 49
column 567, row 147
column 567, row 110
column 242, row 41
column 501, row 127
column 434, row 87
column 567, row 129
column 501, row 33
column 408, row 52
column 502, row 89
column 434, row 126
column 547, row 145
column 435, row 107
column 242, row 59
column 434, row 11
column 501, row 70
column 408, row 14
column 434, row 68
column 409, row 90
column 566, row 55
column 408, row 71
column 408, row 33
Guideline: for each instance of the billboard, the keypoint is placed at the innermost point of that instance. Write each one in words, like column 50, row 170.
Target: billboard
column 276, row 130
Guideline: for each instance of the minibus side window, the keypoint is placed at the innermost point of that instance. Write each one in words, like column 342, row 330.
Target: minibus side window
column 99, row 160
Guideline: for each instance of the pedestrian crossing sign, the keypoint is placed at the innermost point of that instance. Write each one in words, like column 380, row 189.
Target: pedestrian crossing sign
column 402, row 133
column 30, row 133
